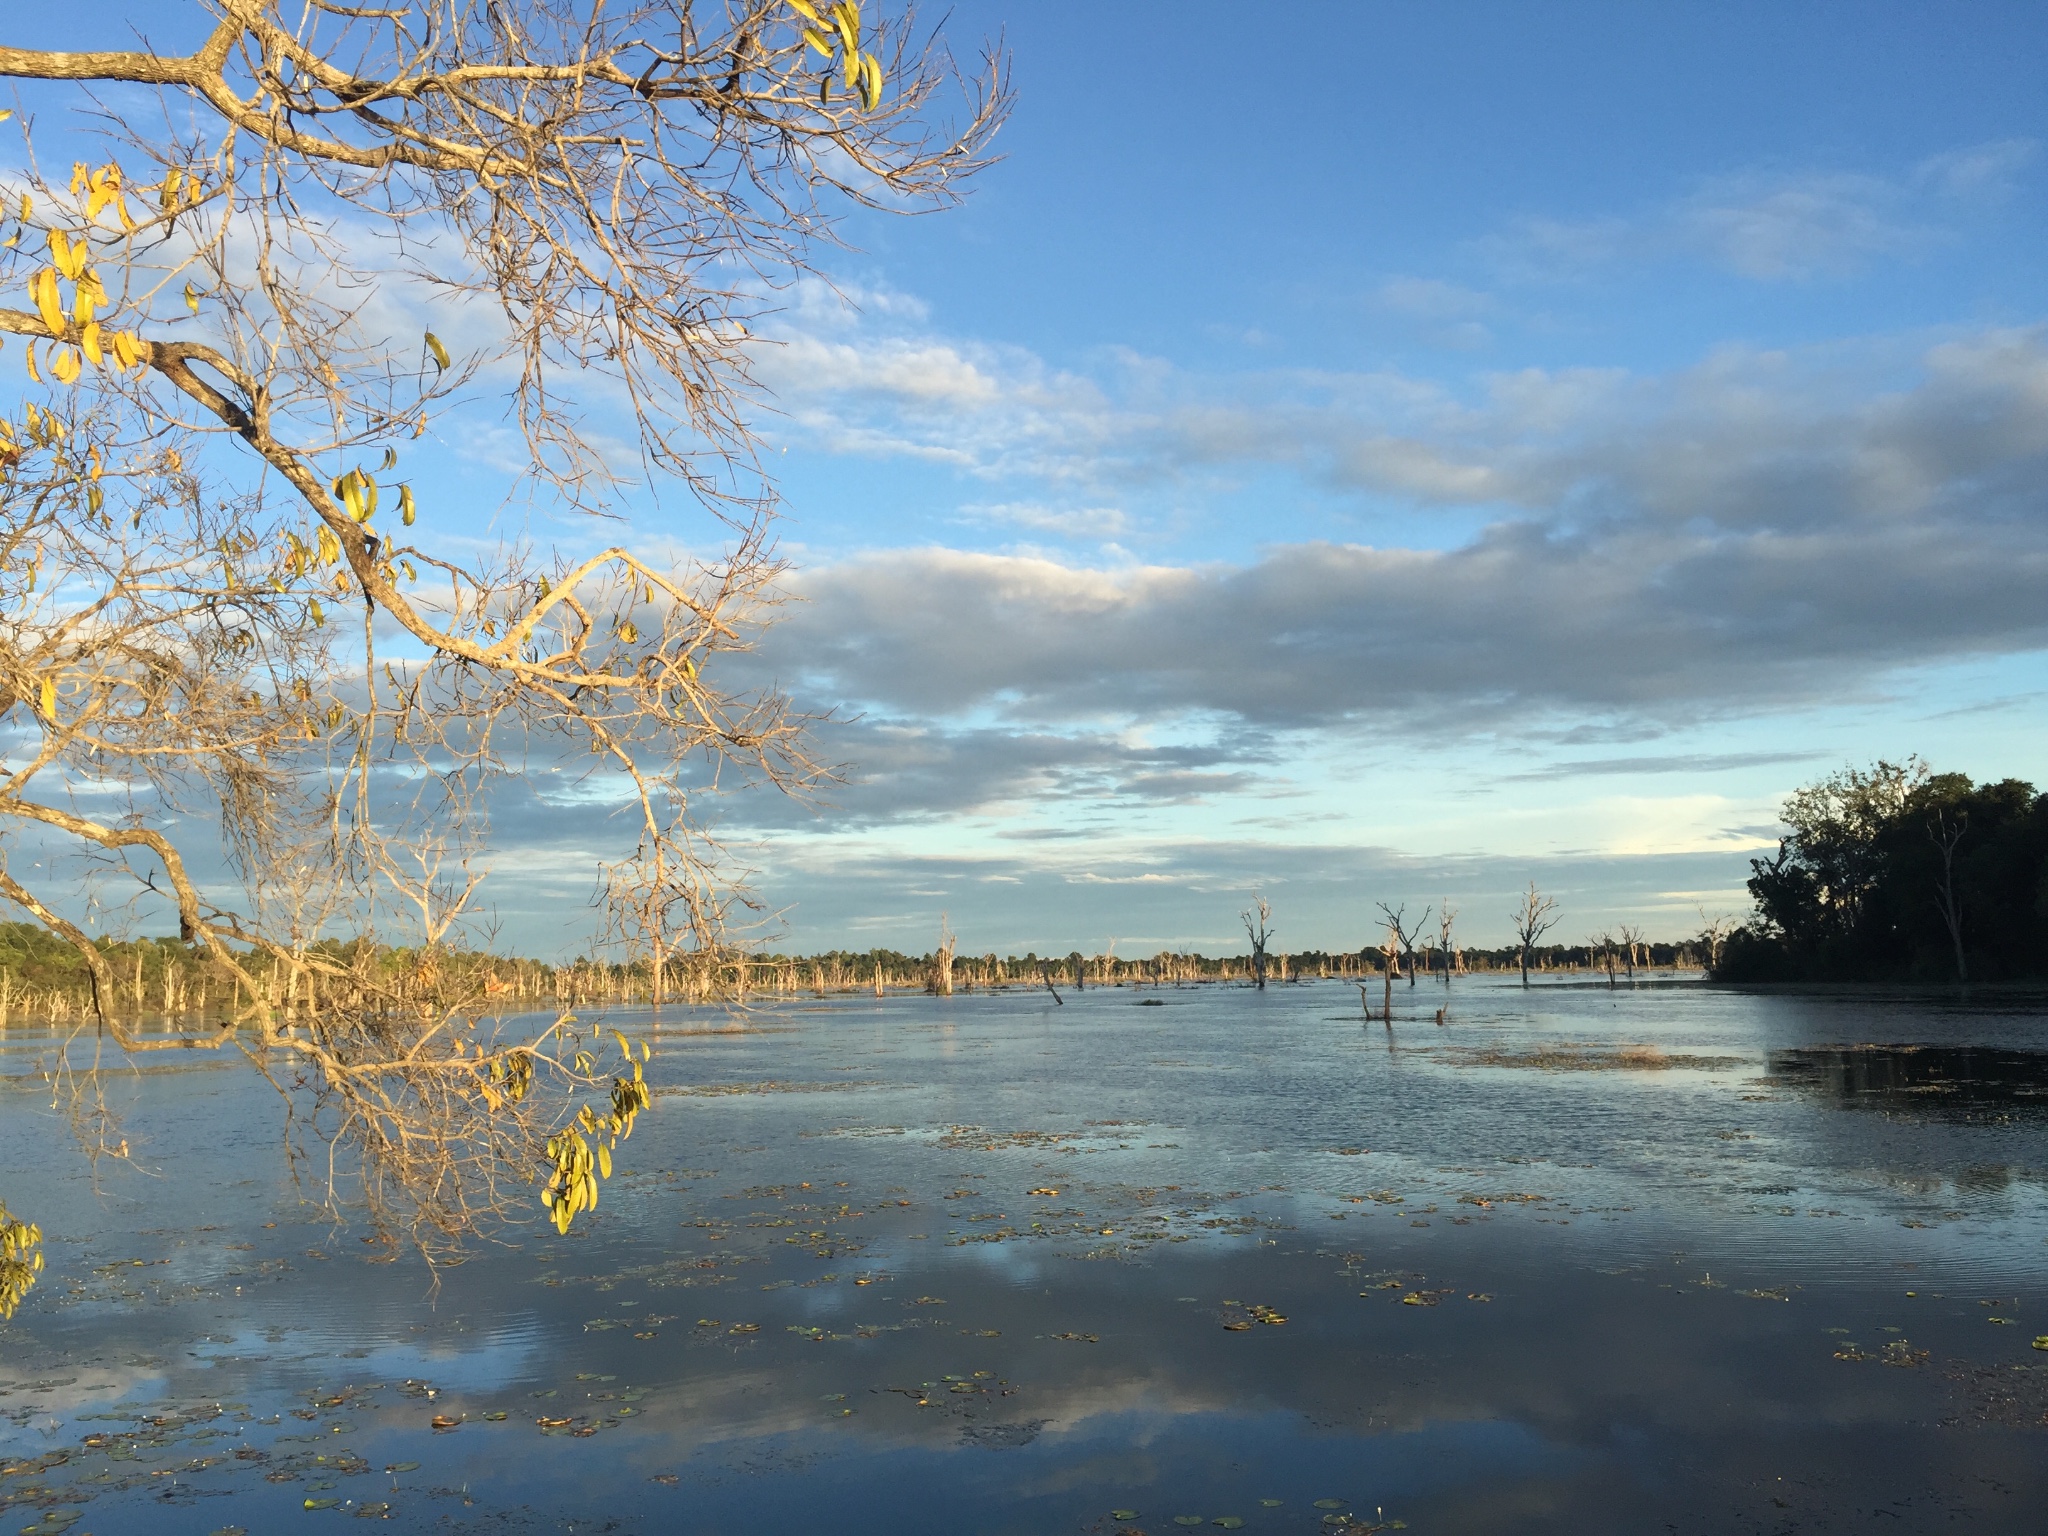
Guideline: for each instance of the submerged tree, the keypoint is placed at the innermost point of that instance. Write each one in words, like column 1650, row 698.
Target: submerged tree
column 233, row 363
column 1534, row 916
column 1255, row 919
column 941, row 979
column 1632, row 943
column 1713, row 936
column 1403, row 933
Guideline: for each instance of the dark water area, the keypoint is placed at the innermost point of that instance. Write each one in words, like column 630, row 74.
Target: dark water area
column 1942, row 1080
column 1670, row 1258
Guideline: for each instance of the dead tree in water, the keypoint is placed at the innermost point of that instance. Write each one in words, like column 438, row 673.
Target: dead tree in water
column 1446, row 915
column 941, row 981
column 1714, row 933
column 1536, row 916
column 1632, row 945
column 1045, row 975
column 1390, row 957
column 1403, row 935
column 1255, row 920
column 1945, row 838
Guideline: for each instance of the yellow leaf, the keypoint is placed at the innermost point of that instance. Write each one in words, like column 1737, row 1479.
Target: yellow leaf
column 43, row 289
column 6, row 113
column 846, row 17
column 66, row 365
column 803, row 8
column 440, row 352
column 316, row 613
column 191, row 298
column 89, row 338
column 70, row 259
column 849, row 63
column 406, row 509
column 604, row 1159
column 871, row 80
column 818, row 41
column 50, row 699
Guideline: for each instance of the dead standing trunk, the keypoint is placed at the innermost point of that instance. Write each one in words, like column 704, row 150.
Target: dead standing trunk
column 1255, row 921
column 1533, row 918
column 1946, row 902
column 942, row 962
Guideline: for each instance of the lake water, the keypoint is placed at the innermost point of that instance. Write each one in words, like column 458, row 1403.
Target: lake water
column 1670, row 1258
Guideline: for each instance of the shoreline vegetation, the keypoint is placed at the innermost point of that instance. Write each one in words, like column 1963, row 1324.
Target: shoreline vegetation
column 1896, row 873
column 43, row 980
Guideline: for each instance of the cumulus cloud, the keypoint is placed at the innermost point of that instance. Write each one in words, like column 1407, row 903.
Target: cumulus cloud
column 1748, row 533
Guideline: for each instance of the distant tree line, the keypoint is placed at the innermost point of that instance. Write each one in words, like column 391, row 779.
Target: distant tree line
column 1897, row 873
column 42, row 978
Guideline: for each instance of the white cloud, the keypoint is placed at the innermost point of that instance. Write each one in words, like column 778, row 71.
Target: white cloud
column 1067, row 523
column 1981, row 171
column 1775, row 225
column 1750, row 532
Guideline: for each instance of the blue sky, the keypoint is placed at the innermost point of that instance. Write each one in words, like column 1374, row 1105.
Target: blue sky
column 1366, row 453
column 1709, row 319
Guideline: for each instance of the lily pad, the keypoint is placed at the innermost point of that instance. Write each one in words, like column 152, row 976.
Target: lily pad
column 1229, row 1522
column 403, row 1466
column 1329, row 1504
column 1123, row 1514
column 321, row 1503
column 2041, row 1342
column 1187, row 1519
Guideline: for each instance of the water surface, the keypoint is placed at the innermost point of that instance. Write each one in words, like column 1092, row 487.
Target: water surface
column 1663, row 1258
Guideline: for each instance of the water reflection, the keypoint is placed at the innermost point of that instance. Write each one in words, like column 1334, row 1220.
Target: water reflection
column 1935, row 1080
column 1575, row 1261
